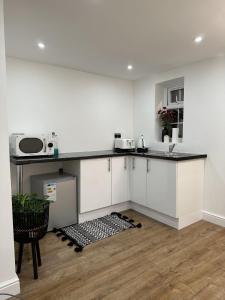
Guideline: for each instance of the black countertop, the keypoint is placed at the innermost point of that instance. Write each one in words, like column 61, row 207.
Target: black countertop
column 175, row 156
column 101, row 154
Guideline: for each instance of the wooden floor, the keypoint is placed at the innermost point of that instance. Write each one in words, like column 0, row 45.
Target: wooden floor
column 154, row 262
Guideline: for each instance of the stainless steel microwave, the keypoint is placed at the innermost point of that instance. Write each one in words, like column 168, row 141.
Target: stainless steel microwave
column 31, row 145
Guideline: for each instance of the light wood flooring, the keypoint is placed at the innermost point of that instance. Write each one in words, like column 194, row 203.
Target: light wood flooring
column 154, row 262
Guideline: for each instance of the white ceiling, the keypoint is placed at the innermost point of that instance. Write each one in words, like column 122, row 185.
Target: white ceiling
column 104, row 36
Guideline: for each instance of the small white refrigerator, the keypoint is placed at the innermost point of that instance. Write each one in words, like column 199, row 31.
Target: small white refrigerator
column 62, row 192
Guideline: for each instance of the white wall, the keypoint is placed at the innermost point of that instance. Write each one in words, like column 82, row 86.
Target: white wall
column 8, row 280
column 85, row 110
column 204, row 121
column 90, row 108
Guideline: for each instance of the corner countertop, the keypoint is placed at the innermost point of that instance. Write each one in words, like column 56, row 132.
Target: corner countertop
column 175, row 156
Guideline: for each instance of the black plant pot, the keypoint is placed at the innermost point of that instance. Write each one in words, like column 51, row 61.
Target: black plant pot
column 165, row 131
column 30, row 225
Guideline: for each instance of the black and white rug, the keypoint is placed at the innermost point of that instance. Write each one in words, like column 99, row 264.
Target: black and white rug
column 89, row 232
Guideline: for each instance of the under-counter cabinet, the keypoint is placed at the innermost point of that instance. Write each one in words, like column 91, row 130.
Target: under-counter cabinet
column 161, row 186
column 120, row 179
column 171, row 188
column 138, row 179
column 102, row 182
column 167, row 190
column 175, row 188
column 95, row 184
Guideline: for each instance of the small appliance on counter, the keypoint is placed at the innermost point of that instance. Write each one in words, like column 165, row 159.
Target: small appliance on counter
column 22, row 145
column 123, row 145
column 141, row 147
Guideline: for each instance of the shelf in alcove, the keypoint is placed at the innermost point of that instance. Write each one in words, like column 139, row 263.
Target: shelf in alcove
column 162, row 100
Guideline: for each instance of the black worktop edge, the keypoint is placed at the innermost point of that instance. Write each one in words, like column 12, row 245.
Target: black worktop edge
column 31, row 160
column 99, row 154
column 181, row 158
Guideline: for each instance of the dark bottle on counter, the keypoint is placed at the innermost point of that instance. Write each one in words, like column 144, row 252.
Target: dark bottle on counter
column 165, row 131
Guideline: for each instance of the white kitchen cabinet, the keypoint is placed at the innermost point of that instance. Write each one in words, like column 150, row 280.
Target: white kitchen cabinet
column 168, row 191
column 138, row 179
column 95, row 184
column 120, row 179
column 161, row 186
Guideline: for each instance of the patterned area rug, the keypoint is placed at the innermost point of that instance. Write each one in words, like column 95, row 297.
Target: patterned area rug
column 89, row 232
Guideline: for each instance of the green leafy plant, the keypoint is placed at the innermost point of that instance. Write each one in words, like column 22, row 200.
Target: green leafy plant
column 29, row 203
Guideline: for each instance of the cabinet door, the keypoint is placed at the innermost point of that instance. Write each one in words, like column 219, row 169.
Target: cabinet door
column 161, row 186
column 95, row 184
column 138, row 180
column 120, row 179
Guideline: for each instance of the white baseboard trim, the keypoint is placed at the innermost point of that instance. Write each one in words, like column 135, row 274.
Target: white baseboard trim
column 213, row 218
column 177, row 223
column 103, row 211
column 11, row 286
column 173, row 222
column 189, row 219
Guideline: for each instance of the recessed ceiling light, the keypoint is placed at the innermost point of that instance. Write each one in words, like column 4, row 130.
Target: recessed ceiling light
column 198, row 39
column 41, row 45
column 130, row 67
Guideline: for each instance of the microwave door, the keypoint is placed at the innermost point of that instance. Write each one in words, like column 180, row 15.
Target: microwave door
column 31, row 146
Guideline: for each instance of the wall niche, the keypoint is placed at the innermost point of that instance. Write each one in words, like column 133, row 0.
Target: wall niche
column 169, row 110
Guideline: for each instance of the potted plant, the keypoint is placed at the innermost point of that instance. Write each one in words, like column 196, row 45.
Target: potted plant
column 30, row 213
column 30, row 224
column 166, row 117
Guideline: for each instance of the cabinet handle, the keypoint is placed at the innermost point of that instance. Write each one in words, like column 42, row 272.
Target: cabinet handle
column 148, row 166
column 125, row 163
column 133, row 160
column 109, row 165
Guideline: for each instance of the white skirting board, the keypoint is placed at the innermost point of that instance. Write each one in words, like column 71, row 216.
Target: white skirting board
column 173, row 222
column 189, row 219
column 213, row 218
column 103, row 211
column 11, row 286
